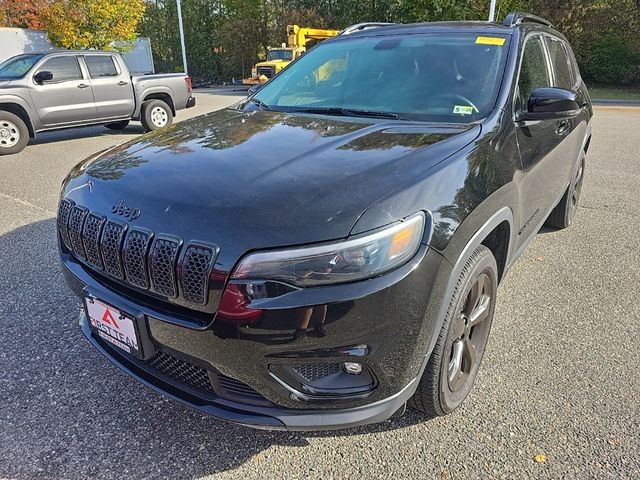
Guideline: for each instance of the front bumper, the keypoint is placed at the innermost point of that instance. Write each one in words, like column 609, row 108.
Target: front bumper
column 387, row 324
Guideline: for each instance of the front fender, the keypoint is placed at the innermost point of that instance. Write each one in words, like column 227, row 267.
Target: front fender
column 14, row 99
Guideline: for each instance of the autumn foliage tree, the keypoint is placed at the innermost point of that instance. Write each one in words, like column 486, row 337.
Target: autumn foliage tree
column 23, row 13
column 81, row 24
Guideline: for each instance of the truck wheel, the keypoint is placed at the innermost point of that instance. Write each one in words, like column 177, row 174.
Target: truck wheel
column 117, row 125
column 456, row 357
column 155, row 114
column 14, row 134
column 562, row 216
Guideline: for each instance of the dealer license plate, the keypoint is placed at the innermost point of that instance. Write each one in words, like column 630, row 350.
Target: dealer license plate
column 112, row 325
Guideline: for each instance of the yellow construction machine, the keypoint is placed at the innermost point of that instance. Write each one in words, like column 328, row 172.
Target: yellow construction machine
column 298, row 38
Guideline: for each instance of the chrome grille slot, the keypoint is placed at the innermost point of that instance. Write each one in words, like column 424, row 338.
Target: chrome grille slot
column 162, row 261
column 134, row 257
column 91, row 239
column 76, row 222
column 196, row 268
column 64, row 209
column 111, row 245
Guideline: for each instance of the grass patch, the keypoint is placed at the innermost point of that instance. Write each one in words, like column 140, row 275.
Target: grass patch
column 600, row 92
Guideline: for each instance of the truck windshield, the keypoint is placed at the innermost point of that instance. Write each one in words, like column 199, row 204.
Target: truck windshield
column 18, row 66
column 286, row 55
column 443, row 77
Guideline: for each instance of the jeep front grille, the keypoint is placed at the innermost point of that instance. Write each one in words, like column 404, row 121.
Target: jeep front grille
column 137, row 257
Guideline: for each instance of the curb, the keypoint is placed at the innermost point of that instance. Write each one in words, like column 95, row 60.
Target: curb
column 628, row 103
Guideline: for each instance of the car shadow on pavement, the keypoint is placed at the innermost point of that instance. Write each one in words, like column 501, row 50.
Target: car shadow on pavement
column 55, row 136
column 66, row 412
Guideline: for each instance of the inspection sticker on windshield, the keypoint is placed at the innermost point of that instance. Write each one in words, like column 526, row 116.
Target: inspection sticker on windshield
column 490, row 41
column 463, row 109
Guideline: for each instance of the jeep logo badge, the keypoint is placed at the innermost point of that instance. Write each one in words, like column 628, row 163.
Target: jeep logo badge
column 121, row 209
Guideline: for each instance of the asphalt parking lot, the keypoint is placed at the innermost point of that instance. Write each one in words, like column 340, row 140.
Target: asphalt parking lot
column 560, row 379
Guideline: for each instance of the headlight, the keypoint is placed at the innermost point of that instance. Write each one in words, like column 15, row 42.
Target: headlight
column 341, row 262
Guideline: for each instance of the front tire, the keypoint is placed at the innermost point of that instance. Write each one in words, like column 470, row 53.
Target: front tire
column 565, row 212
column 456, row 357
column 155, row 114
column 14, row 134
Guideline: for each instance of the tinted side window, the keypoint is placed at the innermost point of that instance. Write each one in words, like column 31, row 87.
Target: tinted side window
column 533, row 71
column 63, row 68
column 561, row 65
column 101, row 66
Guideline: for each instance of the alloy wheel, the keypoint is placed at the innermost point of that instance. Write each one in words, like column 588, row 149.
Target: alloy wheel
column 469, row 333
column 577, row 188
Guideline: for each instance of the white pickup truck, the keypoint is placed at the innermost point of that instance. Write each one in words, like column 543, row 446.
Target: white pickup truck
column 62, row 89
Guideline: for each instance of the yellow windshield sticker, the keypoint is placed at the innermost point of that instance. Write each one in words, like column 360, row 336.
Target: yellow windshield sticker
column 490, row 41
column 463, row 109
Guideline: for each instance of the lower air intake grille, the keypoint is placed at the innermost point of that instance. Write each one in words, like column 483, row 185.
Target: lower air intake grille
column 184, row 372
column 232, row 386
column 314, row 372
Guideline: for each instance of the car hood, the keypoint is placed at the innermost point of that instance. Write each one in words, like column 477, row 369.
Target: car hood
column 255, row 180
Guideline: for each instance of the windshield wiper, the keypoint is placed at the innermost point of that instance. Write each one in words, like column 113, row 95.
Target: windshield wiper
column 345, row 112
column 370, row 113
column 260, row 103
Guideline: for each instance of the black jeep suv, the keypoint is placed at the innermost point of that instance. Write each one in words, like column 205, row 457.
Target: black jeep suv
column 329, row 249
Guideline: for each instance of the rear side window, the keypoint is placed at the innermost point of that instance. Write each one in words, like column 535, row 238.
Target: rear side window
column 534, row 71
column 63, row 68
column 101, row 66
column 561, row 64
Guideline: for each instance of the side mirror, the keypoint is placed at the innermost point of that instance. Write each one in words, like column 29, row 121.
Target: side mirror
column 550, row 103
column 41, row 77
column 255, row 88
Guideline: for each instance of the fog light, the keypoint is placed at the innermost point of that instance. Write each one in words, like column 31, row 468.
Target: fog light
column 352, row 368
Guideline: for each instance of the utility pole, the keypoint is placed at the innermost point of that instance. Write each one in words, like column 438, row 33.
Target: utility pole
column 492, row 11
column 184, row 50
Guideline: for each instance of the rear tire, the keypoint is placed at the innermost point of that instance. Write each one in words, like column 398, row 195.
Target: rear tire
column 117, row 125
column 14, row 134
column 565, row 212
column 456, row 357
column 155, row 114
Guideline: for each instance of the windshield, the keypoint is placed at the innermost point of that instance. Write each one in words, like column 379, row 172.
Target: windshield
column 18, row 66
column 443, row 77
column 280, row 55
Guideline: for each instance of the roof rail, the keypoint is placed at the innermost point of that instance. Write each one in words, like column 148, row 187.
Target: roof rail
column 516, row 18
column 358, row 27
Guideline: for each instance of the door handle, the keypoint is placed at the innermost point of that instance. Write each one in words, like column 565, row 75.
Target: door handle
column 122, row 83
column 563, row 126
column 83, row 85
